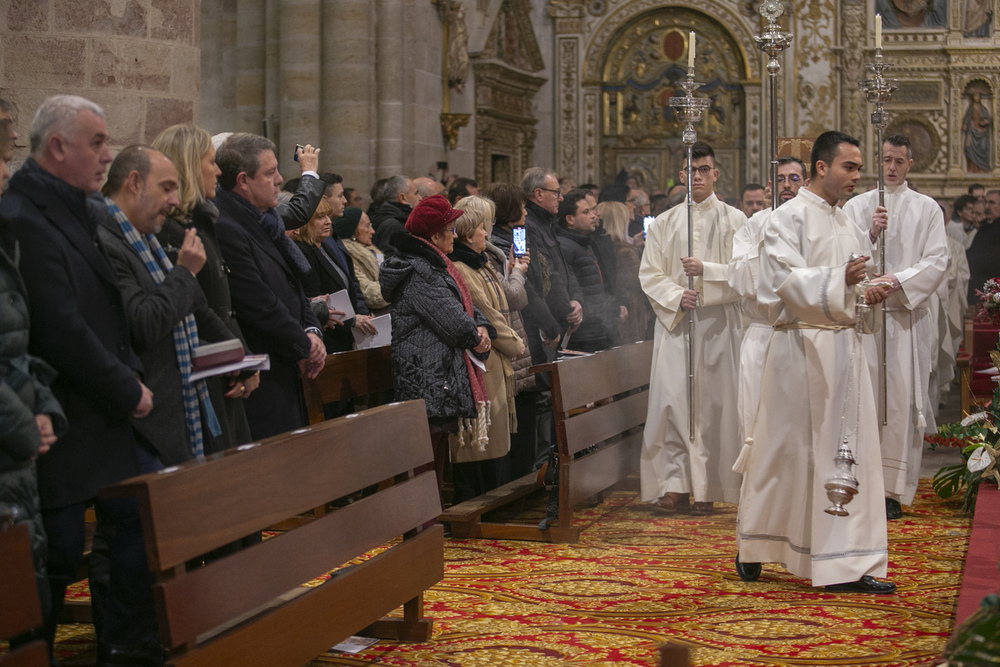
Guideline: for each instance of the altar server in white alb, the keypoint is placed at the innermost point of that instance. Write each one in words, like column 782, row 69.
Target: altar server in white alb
column 672, row 466
column 743, row 274
column 816, row 393
column 916, row 261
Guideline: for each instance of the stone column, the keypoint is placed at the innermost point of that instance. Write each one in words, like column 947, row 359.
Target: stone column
column 300, row 80
column 249, row 66
column 389, row 70
column 140, row 60
column 347, row 126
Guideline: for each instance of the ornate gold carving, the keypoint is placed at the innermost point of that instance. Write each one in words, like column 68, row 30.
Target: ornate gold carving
column 451, row 123
column 853, row 33
column 568, row 103
column 512, row 38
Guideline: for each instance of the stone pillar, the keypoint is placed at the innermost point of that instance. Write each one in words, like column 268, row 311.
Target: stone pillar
column 300, row 50
column 389, row 70
column 347, row 126
column 249, row 66
column 218, row 66
column 140, row 60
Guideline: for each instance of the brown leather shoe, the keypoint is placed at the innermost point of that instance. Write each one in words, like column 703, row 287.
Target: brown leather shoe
column 672, row 503
column 702, row 509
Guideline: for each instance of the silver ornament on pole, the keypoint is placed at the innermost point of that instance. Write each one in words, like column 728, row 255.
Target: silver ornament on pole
column 690, row 109
column 879, row 90
column 773, row 42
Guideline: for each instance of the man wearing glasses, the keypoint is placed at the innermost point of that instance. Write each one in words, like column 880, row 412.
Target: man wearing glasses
column 743, row 272
column 674, row 466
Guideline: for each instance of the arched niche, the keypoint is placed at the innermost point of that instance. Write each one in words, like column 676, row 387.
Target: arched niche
column 643, row 65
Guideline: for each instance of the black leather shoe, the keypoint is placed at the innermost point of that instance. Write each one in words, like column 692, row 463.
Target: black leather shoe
column 866, row 584
column 747, row 571
column 893, row 510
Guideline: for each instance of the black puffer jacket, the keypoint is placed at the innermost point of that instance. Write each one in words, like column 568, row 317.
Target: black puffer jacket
column 594, row 333
column 430, row 330
column 389, row 220
column 24, row 379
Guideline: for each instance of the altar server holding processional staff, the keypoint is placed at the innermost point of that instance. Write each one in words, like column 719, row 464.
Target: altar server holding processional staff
column 916, row 262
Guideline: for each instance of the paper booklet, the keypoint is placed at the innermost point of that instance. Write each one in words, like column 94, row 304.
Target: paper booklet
column 363, row 341
column 341, row 301
column 251, row 362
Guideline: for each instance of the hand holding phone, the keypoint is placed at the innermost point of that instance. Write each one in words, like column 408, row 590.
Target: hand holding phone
column 646, row 222
column 520, row 242
column 298, row 147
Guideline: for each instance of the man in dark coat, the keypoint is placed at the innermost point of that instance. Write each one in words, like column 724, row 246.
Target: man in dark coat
column 142, row 183
column 265, row 283
column 306, row 190
column 576, row 224
column 400, row 197
column 559, row 287
column 79, row 328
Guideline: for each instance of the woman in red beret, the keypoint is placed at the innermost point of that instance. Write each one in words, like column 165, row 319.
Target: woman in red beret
column 440, row 340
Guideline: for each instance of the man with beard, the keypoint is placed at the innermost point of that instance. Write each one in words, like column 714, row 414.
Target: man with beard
column 916, row 260
column 744, row 269
column 161, row 301
column 815, row 392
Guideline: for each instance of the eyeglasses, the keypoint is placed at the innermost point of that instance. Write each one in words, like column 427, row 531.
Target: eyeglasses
column 703, row 170
column 794, row 178
column 557, row 193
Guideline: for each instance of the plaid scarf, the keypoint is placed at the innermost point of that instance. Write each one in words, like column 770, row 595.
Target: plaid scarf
column 185, row 335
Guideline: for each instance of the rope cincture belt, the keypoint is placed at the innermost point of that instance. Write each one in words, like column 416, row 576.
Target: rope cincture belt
column 803, row 325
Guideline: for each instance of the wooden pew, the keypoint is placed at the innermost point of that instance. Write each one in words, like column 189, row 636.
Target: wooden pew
column 616, row 382
column 249, row 608
column 348, row 375
column 20, row 610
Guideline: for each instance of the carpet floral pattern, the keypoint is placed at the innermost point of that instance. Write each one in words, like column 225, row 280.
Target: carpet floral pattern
column 638, row 579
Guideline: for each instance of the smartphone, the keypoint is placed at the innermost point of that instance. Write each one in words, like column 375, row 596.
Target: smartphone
column 646, row 222
column 443, row 166
column 297, row 147
column 520, row 242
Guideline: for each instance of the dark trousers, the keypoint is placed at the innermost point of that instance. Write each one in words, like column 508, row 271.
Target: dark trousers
column 474, row 478
column 120, row 581
column 522, row 444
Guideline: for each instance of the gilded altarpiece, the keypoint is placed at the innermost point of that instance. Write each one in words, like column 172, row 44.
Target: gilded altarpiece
column 640, row 131
column 617, row 63
column 944, row 55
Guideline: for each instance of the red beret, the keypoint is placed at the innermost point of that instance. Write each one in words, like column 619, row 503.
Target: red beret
column 430, row 216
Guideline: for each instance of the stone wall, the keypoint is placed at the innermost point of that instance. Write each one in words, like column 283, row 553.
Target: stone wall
column 361, row 79
column 139, row 59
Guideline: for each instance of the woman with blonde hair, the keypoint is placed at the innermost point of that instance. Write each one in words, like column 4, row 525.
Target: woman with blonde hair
column 190, row 148
column 614, row 216
column 476, row 471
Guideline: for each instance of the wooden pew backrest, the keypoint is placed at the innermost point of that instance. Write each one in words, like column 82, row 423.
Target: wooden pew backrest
column 195, row 508
column 20, row 610
column 348, row 375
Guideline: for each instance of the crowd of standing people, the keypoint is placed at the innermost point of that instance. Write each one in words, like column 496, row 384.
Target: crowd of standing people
column 116, row 269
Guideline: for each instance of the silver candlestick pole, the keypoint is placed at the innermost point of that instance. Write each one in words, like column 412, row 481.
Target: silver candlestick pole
column 879, row 90
column 773, row 42
column 690, row 109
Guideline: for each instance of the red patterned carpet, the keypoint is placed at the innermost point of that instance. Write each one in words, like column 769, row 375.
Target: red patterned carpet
column 639, row 579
